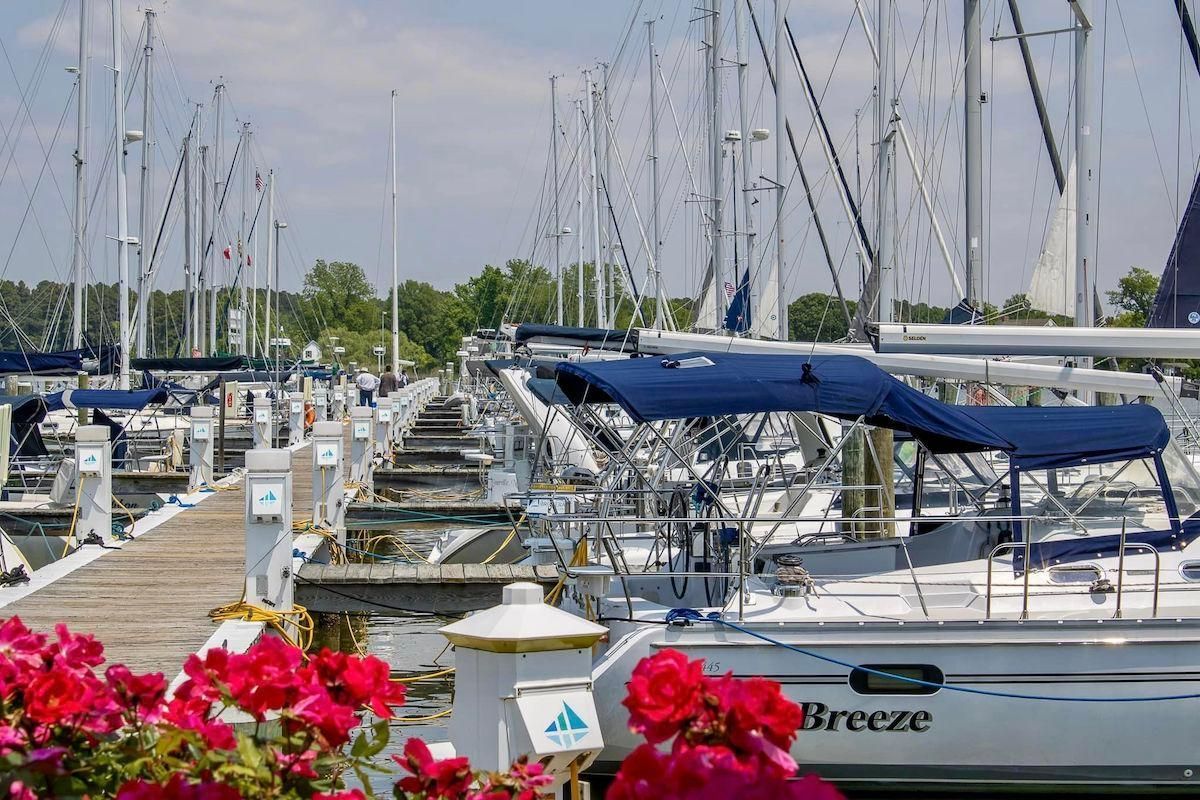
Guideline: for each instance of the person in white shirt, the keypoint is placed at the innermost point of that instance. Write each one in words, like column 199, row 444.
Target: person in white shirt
column 367, row 384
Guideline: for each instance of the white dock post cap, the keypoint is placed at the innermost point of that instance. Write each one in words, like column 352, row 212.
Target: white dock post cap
column 523, row 594
column 523, row 623
column 202, row 412
column 268, row 460
column 91, row 433
column 332, row 429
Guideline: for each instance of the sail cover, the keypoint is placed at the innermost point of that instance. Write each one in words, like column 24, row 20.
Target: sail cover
column 1177, row 304
column 848, row 387
column 605, row 338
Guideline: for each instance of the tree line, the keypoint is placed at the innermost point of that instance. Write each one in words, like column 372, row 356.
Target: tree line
column 337, row 300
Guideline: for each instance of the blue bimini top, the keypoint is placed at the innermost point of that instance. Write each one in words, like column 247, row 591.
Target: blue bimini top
column 848, row 387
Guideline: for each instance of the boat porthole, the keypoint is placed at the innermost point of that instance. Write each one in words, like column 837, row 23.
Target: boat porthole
column 896, row 679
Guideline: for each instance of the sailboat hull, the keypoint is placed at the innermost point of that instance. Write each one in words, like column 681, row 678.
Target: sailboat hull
column 860, row 734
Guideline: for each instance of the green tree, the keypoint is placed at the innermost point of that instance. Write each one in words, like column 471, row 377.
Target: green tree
column 1134, row 298
column 818, row 317
column 432, row 319
column 340, row 296
column 485, row 297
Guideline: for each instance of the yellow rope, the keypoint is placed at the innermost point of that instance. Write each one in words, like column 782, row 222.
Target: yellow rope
column 128, row 513
column 74, row 518
column 441, row 673
column 427, row 718
column 504, row 544
column 298, row 618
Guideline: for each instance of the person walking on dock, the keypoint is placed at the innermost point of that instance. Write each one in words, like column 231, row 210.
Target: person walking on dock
column 367, row 384
column 388, row 383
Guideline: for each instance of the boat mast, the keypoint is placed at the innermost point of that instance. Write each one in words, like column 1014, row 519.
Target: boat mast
column 716, row 155
column 122, row 202
column 579, row 208
column 655, row 273
column 78, row 259
column 884, row 207
column 599, row 268
column 395, row 254
column 218, row 183
column 201, row 298
column 188, row 244
column 782, row 176
column 740, row 274
column 272, row 257
column 242, row 282
column 610, row 256
column 252, row 346
column 145, row 225
column 973, row 152
column 1084, row 239
column 558, row 315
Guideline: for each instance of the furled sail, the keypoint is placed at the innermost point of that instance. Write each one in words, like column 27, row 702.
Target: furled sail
column 1052, row 288
column 1177, row 303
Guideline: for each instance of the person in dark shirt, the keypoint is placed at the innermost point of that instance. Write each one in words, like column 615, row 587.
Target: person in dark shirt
column 388, row 383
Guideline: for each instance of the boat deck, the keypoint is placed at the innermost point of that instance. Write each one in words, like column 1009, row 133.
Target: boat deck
column 149, row 601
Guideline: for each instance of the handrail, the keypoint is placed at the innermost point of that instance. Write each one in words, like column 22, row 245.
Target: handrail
column 1014, row 546
column 1121, row 574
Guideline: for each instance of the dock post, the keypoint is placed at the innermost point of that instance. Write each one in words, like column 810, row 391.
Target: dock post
column 269, row 580
column 295, row 418
column 329, row 488
column 321, row 403
column 396, row 430
column 339, row 398
column 521, row 643
column 263, row 424
column 93, row 461
column 200, row 448
column 361, row 448
column 383, row 428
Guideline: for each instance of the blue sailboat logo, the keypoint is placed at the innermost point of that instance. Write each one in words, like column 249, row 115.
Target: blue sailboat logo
column 269, row 497
column 327, row 454
column 567, row 729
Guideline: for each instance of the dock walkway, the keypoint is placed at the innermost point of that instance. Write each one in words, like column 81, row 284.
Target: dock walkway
column 149, row 601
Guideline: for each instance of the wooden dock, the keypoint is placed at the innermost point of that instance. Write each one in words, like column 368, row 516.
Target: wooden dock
column 404, row 588
column 149, row 601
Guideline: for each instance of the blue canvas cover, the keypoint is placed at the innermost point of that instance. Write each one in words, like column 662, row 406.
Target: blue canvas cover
column 848, row 387
column 547, row 391
column 583, row 337
column 133, row 400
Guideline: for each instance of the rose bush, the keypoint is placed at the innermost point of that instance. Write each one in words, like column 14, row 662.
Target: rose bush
column 729, row 737
column 274, row 723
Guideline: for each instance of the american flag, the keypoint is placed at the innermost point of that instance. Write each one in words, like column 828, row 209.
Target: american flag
column 258, row 182
column 729, row 290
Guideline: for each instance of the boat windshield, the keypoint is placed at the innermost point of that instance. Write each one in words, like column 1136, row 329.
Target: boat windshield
column 1128, row 490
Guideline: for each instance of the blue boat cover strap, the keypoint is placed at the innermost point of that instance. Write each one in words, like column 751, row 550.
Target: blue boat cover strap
column 848, row 387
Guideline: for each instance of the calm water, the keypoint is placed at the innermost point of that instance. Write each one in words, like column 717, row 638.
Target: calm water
column 412, row 645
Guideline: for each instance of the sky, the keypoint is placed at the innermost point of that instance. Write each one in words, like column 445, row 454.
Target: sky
column 314, row 77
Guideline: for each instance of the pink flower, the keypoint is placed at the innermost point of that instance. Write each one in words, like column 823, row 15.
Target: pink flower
column 177, row 788
column 431, row 779
column 76, row 651
column 347, row 794
column 664, row 693
column 142, row 693
column 19, row 791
